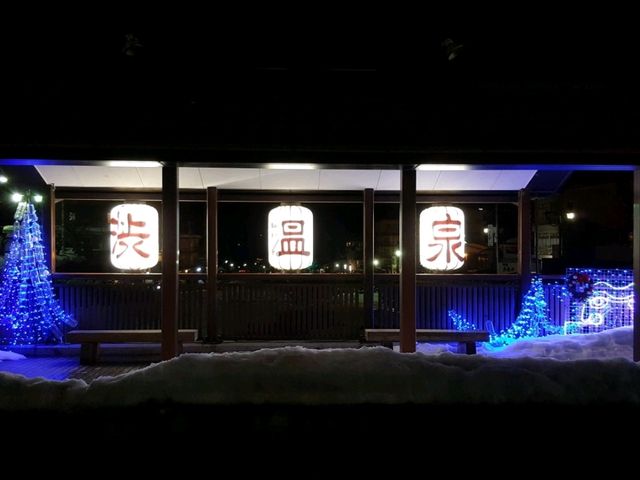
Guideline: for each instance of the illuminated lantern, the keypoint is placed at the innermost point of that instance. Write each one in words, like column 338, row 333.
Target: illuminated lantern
column 442, row 238
column 290, row 237
column 134, row 236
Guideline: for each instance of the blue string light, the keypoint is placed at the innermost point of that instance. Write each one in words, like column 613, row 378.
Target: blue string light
column 533, row 320
column 609, row 304
column 29, row 313
column 459, row 322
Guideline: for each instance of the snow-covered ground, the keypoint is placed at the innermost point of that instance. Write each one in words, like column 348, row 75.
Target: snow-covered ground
column 615, row 343
column 4, row 355
column 295, row 375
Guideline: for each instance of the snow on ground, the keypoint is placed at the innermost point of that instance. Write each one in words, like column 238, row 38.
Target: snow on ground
column 296, row 375
column 614, row 343
column 10, row 356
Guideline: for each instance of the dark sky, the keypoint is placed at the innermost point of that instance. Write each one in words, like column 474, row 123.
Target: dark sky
column 21, row 179
column 509, row 85
column 245, row 227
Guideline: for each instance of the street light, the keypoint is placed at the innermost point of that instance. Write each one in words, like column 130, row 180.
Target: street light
column 18, row 197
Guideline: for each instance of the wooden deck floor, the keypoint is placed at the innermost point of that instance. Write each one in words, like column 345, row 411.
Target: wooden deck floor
column 61, row 368
column 59, row 362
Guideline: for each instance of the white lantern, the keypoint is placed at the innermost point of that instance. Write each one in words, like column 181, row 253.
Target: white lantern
column 442, row 238
column 290, row 237
column 134, row 236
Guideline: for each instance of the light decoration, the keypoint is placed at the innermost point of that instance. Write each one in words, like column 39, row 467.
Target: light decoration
column 134, row 236
column 533, row 320
column 579, row 285
column 290, row 237
column 29, row 313
column 442, row 238
column 608, row 305
column 459, row 322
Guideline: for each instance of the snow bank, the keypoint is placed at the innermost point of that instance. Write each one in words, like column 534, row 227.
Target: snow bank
column 10, row 356
column 614, row 343
column 295, row 375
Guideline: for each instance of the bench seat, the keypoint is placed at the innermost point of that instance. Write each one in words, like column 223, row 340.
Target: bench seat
column 466, row 340
column 90, row 340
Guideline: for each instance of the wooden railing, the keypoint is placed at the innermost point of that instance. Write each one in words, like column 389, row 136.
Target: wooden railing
column 478, row 298
column 298, row 306
column 295, row 306
column 557, row 302
column 115, row 301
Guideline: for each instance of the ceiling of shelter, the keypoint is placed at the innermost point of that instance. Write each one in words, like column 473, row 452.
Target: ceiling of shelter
column 267, row 179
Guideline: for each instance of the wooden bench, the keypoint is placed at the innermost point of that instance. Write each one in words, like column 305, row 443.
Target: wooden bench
column 90, row 340
column 466, row 340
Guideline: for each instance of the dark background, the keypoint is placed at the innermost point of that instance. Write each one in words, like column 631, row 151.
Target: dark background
column 518, row 82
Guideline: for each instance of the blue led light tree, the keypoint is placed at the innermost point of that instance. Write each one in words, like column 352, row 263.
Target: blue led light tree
column 29, row 313
column 533, row 320
column 460, row 323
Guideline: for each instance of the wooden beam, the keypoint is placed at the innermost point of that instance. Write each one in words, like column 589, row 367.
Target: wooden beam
column 408, row 259
column 393, row 334
column 278, row 196
column 524, row 241
column 170, row 242
column 636, row 265
column 499, row 196
column 374, row 157
column 212, row 263
column 367, row 256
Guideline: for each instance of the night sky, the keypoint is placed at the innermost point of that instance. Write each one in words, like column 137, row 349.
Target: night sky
column 507, row 86
column 334, row 225
column 21, row 179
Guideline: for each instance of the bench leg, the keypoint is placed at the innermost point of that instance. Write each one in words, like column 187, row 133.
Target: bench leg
column 89, row 353
column 467, row 347
column 180, row 348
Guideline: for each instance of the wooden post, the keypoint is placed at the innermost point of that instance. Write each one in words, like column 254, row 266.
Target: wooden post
column 524, row 242
column 367, row 256
column 408, row 259
column 170, row 238
column 636, row 265
column 49, row 226
column 89, row 352
column 212, row 263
